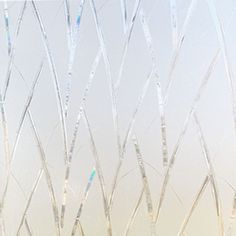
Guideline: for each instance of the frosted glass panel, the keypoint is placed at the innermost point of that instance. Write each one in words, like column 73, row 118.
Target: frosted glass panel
column 118, row 117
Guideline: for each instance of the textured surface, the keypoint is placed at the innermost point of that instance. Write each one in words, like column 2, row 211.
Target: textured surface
column 118, row 117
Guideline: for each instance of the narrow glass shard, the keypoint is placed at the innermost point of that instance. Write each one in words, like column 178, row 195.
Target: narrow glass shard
column 6, row 17
column 19, row 129
column 28, row 229
column 124, row 14
column 100, row 177
column 127, row 136
column 86, row 192
column 177, row 50
column 47, row 176
column 211, row 174
column 134, row 213
column 194, row 205
column 126, row 45
column 149, row 41
column 13, row 48
column 35, row 185
column 182, row 133
column 73, row 40
column 55, row 79
column 145, row 186
column 75, row 133
column 221, row 38
column 174, row 22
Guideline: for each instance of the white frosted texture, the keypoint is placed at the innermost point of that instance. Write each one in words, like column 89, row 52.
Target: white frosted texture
column 117, row 118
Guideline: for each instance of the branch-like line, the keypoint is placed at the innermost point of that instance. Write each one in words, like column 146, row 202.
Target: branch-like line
column 108, row 72
column 124, row 14
column 55, row 79
column 73, row 39
column 35, row 185
column 75, row 133
column 6, row 18
column 12, row 54
column 174, row 22
column 149, row 41
column 100, row 176
column 19, row 129
column 84, row 199
column 211, row 174
column 182, row 133
column 145, row 186
column 126, row 45
column 195, row 202
column 128, row 134
column 134, row 213
column 176, row 52
column 47, row 175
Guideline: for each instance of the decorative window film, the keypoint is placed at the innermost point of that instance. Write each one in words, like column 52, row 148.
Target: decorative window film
column 118, row 117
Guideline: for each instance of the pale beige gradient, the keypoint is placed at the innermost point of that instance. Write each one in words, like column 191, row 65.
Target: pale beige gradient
column 214, row 110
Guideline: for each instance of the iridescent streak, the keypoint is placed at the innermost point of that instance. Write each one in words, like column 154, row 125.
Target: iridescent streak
column 78, row 21
column 6, row 17
column 77, row 221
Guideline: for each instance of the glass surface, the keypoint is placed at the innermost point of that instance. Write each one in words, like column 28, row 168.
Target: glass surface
column 117, row 117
